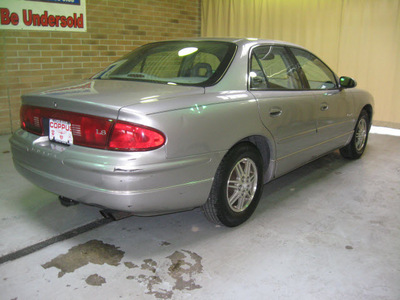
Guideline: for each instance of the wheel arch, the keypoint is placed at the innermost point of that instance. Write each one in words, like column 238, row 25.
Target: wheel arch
column 265, row 147
column 368, row 108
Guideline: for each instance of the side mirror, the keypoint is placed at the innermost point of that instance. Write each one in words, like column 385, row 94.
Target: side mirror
column 347, row 82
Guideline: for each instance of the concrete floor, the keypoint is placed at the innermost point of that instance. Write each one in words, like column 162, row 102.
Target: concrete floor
column 329, row 230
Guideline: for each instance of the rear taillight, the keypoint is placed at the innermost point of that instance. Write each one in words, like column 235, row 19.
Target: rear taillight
column 133, row 137
column 31, row 119
column 89, row 131
column 92, row 131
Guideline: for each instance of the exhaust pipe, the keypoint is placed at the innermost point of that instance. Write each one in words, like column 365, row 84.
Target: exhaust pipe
column 114, row 215
column 67, row 202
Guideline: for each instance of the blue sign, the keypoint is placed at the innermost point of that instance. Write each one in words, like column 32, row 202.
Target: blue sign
column 73, row 2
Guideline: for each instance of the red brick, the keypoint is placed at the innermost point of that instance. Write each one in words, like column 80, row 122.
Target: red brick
column 36, row 59
column 61, row 59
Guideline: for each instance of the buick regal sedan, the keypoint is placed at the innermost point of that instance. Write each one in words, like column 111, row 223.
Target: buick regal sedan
column 183, row 124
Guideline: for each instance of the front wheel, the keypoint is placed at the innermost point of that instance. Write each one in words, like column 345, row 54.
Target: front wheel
column 356, row 147
column 237, row 187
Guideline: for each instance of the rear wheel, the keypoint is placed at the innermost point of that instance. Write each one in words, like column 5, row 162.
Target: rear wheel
column 237, row 187
column 359, row 140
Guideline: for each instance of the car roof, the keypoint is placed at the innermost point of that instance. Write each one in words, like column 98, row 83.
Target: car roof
column 243, row 41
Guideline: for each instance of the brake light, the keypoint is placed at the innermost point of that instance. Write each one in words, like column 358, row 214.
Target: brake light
column 31, row 119
column 133, row 137
column 88, row 131
column 93, row 131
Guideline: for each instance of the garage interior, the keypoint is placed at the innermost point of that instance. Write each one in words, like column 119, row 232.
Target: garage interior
column 329, row 230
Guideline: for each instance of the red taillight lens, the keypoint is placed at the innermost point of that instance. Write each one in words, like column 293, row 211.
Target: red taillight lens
column 92, row 131
column 31, row 119
column 133, row 137
column 89, row 131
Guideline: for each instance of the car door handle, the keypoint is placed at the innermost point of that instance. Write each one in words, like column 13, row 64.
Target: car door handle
column 324, row 106
column 275, row 112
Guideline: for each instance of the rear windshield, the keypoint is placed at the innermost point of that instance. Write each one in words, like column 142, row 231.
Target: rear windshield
column 200, row 63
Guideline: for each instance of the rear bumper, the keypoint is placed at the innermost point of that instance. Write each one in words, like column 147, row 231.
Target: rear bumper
column 144, row 183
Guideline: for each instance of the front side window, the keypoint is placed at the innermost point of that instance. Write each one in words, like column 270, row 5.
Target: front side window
column 271, row 68
column 199, row 63
column 318, row 75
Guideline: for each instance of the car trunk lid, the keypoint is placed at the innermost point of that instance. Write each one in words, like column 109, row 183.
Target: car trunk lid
column 105, row 98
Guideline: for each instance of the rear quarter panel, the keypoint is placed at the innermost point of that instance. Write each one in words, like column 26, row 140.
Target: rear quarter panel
column 206, row 123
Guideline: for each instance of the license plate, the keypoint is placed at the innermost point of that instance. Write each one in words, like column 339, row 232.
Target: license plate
column 60, row 131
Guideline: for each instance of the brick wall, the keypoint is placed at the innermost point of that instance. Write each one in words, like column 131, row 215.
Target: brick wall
column 34, row 59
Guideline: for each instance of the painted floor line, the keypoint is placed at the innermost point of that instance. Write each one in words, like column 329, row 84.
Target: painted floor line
column 67, row 235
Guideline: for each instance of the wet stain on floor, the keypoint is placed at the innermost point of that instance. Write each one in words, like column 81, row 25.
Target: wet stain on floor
column 178, row 273
column 150, row 265
column 95, row 280
column 184, row 266
column 160, row 278
column 94, row 251
column 130, row 265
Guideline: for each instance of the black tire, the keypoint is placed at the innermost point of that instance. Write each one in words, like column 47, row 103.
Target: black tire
column 357, row 145
column 236, row 192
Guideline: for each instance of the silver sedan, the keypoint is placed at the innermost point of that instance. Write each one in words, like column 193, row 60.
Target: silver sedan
column 182, row 124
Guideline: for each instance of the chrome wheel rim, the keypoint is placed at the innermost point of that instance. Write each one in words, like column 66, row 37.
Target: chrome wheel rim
column 242, row 185
column 361, row 134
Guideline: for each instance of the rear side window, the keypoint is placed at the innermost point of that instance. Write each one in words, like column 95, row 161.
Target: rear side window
column 318, row 75
column 271, row 68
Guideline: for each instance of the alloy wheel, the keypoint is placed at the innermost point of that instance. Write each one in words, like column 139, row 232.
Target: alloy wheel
column 242, row 185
